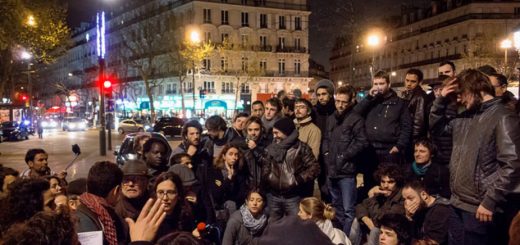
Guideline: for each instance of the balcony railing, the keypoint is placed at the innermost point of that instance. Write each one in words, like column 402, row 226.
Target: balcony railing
column 281, row 49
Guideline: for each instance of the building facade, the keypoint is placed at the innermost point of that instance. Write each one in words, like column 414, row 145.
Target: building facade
column 466, row 32
column 260, row 47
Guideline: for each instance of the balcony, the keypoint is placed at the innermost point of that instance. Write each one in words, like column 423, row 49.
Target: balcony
column 228, row 91
column 281, row 49
column 263, row 48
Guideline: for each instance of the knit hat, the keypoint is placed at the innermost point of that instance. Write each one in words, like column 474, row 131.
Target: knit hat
column 185, row 173
column 135, row 167
column 286, row 125
column 325, row 83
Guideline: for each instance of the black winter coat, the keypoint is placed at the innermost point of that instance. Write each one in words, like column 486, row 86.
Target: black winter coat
column 485, row 162
column 344, row 139
column 436, row 179
column 417, row 106
column 387, row 121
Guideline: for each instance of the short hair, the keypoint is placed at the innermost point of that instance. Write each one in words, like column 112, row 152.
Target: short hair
column 417, row 186
column 257, row 102
column 147, row 147
column 399, row 224
column 390, row 170
column 307, row 103
column 239, row 115
column 276, row 103
column 173, row 178
column 474, row 82
column 31, row 153
column 447, row 62
column 288, row 103
column 102, row 177
column 487, row 70
column 190, row 124
column 216, row 122
column 253, row 119
column 25, row 199
column 501, row 79
column 428, row 144
column 281, row 94
column 416, row 72
column 382, row 75
column 348, row 90
column 177, row 158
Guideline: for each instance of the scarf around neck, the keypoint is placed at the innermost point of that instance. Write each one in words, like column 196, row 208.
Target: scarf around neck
column 420, row 170
column 277, row 150
column 251, row 223
column 98, row 206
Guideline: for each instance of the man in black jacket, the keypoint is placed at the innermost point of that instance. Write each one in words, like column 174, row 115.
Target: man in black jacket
column 416, row 98
column 344, row 140
column 288, row 164
column 321, row 112
column 433, row 217
column 485, row 162
column 192, row 145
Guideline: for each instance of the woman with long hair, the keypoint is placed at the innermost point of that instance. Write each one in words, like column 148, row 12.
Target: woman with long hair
column 248, row 222
column 179, row 217
column 311, row 208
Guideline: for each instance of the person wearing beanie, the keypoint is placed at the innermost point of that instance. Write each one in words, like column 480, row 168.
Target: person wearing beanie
column 289, row 165
column 134, row 189
column 322, row 111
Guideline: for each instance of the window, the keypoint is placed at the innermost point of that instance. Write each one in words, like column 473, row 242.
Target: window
column 297, row 67
column 297, row 43
column 244, row 88
column 281, row 42
column 245, row 19
column 207, row 37
column 206, row 64
column 281, row 22
column 209, row 86
column 244, row 40
column 224, row 17
column 228, row 88
column 224, row 64
column 260, row 2
column 207, row 15
column 298, row 23
column 245, row 64
column 263, row 21
column 263, row 41
column 281, row 66
column 224, row 37
column 189, row 86
column 174, row 88
column 263, row 65
column 243, row 1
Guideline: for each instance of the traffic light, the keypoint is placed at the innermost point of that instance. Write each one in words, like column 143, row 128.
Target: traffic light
column 202, row 94
column 107, row 87
column 24, row 97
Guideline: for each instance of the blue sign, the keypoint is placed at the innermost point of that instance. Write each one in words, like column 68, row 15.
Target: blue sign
column 215, row 103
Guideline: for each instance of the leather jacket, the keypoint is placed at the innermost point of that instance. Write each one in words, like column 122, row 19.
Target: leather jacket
column 299, row 166
column 485, row 162
column 417, row 106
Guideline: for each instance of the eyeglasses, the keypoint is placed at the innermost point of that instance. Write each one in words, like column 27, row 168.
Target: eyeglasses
column 133, row 178
column 168, row 193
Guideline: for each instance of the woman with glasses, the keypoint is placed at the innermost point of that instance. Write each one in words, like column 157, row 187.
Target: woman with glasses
column 179, row 217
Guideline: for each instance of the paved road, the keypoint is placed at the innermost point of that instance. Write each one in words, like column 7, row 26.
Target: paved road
column 59, row 146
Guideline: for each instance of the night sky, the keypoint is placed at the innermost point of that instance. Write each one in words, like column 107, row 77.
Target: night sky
column 327, row 18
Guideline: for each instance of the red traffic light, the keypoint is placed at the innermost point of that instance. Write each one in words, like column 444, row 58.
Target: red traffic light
column 107, row 84
column 24, row 97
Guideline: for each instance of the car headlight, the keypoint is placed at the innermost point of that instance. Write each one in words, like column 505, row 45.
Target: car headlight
column 26, row 122
column 82, row 125
column 54, row 124
column 72, row 125
column 146, row 127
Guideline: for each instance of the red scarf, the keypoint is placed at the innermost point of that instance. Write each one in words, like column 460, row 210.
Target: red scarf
column 97, row 205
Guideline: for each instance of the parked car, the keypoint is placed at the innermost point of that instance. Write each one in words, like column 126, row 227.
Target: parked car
column 171, row 126
column 126, row 151
column 132, row 126
column 74, row 123
column 14, row 131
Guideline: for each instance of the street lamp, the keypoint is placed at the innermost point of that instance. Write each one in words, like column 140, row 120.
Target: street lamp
column 195, row 40
column 31, row 21
column 506, row 44
column 374, row 41
column 28, row 56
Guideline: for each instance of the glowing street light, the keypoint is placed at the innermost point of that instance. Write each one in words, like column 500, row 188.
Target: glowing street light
column 506, row 44
column 31, row 21
column 26, row 55
column 373, row 40
column 195, row 37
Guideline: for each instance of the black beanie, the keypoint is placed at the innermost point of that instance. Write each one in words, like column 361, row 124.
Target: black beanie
column 286, row 125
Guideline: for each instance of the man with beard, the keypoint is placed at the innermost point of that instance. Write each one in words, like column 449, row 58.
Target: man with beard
column 134, row 189
column 484, row 164
column 218, row 135
column 343, row 141
column 308, row 132
column 154, row 155
column 386, row 200
column 288, row 164
column 273, row 111
column 191, row 144
column 288, row 108
column 322, row 110
column 433, row 217
column 36, row 160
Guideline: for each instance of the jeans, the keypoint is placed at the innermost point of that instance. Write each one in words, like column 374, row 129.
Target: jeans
column 475, row 232
column 280, row 206
column 356, row 234
column 343, row 192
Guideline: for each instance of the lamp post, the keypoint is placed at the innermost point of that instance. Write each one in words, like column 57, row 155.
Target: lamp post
column 100, row 44
column 195, row 40
column 27, row 57
column 373, row 41
column 506, row 44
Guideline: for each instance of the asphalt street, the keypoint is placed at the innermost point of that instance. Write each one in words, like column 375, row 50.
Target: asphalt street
column 58, row 144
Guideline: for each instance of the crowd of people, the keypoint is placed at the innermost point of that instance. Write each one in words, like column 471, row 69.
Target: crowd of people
column 439, row 166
